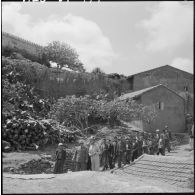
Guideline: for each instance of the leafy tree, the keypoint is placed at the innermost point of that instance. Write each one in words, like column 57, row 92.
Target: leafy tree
column 97, row 71
column 64, row 55
column 84, row 111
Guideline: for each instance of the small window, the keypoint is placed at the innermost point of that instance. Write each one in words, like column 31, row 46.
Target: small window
column 161, row 105
column 186, row 88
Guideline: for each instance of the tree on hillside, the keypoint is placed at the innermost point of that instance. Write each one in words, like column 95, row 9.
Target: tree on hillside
column 97, row 71
column 64, row 55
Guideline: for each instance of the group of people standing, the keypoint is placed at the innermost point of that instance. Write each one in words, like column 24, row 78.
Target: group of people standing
column 119, row 151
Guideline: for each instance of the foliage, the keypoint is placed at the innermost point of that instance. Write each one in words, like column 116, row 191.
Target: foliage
column 149, row 113
column 97, row 71
column 84, row 111
column 71, row 83
column 16, row 53
column 64, row 55
column 23, row 112
column 23, row 70
column 72, row 111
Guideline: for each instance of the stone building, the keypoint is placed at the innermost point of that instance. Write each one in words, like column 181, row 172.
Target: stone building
column 168, row 105
column 175, row 79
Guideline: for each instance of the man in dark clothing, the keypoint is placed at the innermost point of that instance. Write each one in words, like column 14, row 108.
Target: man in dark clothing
column 110, row 154
column 145, row 146
column 123, row 139
column 121, row 151
column 60, row 159
column 161, row 145
column 115, row 151
column 89, row 159
column 81, row 157
column 155, row 141
column 166, row 139
column 128, row 150
column 189, row 122
column 104, row 154
column 140, row 144
column 135, row 149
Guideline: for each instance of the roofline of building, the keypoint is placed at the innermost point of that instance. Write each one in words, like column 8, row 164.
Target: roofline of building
column 154, row 87
column 161, row 85
column 159, row 68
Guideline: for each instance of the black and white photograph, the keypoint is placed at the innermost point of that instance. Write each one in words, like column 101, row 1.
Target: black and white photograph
column 97, row 97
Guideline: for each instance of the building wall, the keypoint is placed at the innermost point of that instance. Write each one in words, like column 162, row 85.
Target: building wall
column 19, row 43
column 173, row 113
column 166, row 75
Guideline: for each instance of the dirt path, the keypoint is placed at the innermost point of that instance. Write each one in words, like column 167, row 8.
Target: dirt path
column 92, row 182
column 87, row 182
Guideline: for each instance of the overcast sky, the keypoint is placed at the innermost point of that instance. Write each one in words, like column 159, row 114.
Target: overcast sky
column 118, row 37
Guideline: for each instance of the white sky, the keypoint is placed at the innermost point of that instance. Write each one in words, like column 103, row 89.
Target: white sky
column 121, row 37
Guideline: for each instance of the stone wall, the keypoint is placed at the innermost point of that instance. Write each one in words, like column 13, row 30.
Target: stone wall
column 171, row 77
column 171, row 113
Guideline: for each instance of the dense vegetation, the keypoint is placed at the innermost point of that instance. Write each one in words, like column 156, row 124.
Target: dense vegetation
column 64, row 55
column 31, row 119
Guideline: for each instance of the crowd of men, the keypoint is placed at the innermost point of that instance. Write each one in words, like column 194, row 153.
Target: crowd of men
column 117, row 151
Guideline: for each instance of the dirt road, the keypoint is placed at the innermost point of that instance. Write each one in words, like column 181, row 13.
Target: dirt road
column 91, row 182
column 87, row 182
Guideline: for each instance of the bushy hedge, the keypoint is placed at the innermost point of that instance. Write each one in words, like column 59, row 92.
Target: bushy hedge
column 85, row 111
column 24, row 112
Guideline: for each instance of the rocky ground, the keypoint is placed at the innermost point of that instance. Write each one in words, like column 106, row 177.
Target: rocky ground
column 89, row 181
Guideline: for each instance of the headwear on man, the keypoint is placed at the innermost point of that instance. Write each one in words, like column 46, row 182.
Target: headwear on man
column 81, row 142
column 157, row 130
column 60, row 144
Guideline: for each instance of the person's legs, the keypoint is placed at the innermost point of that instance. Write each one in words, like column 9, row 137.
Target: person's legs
column 78, row 166
column 106, row 161
column 110, row 162
column 62, row 166
column 114, row 160
column 83, row 166
column 92, row 163
column 89, row 163
column 103, row 161
column 124, row 158
column 56, row 167
column 161, row 151
column 136, row 154
column 128, row 157
column 168, row 145
column 119, row 159
column 133, row 156
column 96, row 163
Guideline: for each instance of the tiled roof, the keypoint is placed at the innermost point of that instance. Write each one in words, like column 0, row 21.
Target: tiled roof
column 175, row 170
column 142, row 91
